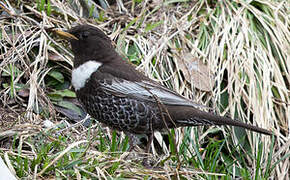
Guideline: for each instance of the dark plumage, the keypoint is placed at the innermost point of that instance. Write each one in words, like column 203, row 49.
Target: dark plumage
column 114, row 93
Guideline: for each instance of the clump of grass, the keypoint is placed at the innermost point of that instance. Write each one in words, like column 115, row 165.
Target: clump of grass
column 242, row 46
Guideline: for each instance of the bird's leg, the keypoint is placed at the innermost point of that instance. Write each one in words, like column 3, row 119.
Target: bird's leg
column 150, row 140
column 145, row 161
column 133, row 141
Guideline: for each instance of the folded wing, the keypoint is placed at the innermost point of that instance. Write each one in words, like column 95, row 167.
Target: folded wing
column 148, row 91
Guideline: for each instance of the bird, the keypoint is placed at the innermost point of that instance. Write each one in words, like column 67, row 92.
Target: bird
column 113, row 92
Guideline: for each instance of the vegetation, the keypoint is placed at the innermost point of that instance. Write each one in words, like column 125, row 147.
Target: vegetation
column 232, row 56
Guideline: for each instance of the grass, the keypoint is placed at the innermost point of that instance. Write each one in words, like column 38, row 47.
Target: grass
column 51, row 153
column 242, row 49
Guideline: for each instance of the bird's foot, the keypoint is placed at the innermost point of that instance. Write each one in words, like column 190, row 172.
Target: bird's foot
column 133, row 141
column 148, row 163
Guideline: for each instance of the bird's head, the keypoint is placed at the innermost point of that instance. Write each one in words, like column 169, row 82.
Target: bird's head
column 88, row 42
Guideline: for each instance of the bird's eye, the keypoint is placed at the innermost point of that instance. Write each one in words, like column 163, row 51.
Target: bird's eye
column 84, row 35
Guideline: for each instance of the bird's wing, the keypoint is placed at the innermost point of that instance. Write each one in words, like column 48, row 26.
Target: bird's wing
column 148, row 91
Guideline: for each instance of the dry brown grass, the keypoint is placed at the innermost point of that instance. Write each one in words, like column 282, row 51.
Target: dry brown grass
column 244, row 49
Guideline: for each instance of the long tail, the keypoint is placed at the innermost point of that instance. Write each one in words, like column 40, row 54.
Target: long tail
column 196, row 117
column 221, row 120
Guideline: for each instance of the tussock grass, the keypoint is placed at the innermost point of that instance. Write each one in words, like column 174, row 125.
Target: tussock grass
column 242, row 50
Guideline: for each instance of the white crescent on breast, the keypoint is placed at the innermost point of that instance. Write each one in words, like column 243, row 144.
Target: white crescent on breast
column 82, row 73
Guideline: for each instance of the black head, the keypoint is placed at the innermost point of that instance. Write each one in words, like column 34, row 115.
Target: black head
column 90, row 44
column 87, row 33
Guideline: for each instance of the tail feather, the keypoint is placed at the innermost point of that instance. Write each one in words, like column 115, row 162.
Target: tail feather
column 194, row 117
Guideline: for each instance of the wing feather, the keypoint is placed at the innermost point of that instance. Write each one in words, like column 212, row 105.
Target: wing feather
column 146, row 90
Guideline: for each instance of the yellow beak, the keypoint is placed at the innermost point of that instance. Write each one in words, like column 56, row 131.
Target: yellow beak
column 65, row 34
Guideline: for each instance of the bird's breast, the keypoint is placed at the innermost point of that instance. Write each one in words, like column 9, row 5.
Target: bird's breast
column 122, row 113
